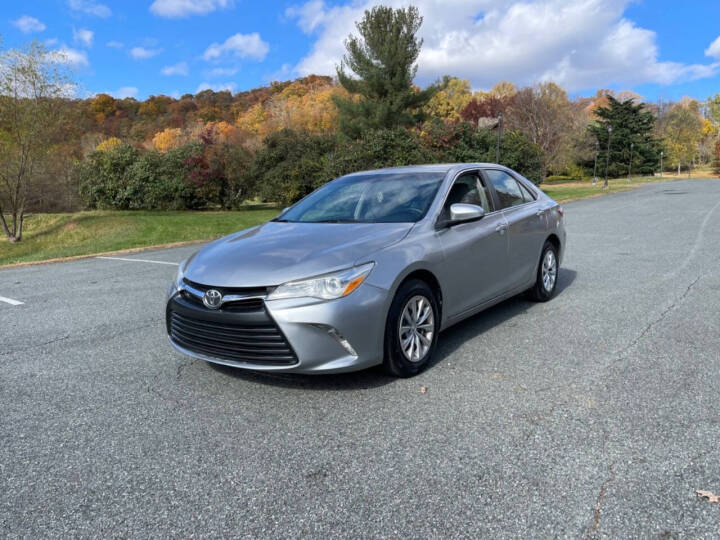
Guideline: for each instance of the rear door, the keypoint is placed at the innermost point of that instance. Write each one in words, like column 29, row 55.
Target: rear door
column 527, row 225
column 475, row 253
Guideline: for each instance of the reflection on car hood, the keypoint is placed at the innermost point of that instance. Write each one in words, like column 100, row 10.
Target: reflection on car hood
column 277, row 252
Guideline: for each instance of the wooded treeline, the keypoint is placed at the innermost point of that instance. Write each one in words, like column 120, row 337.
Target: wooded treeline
column 278, row 142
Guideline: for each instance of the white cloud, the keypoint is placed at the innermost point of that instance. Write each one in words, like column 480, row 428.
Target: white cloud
column 230, row 86
column 184, row 8
column 90, row 7
column 580, row 44
column 115, row 44
column 84, row 36
column 180, row 68
column 71, row 57
column 223, row 72
column 141, row 53
column 123, row 92
column 714, row 49
column 27, row 24
column 240, row 45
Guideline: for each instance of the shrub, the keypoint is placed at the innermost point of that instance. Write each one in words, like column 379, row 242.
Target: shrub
column 126, row 178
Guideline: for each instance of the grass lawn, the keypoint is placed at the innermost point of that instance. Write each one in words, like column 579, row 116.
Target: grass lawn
column 573, row 191
column 49, row 236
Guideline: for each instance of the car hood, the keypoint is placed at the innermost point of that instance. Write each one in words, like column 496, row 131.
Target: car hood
column 278, row 252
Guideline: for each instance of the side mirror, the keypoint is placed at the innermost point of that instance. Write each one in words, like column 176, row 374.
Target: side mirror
column 461, row 213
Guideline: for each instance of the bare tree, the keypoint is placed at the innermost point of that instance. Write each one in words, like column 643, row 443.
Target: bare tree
column 32, row 84
column 545, row 114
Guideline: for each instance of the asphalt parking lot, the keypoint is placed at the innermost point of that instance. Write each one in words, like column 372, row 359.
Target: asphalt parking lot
column 596, row 414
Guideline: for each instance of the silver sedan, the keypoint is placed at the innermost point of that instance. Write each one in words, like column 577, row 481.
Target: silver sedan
column 368, row 270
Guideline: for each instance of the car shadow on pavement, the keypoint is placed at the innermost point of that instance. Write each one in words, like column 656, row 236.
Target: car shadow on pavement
column 454, row 337
column 449, row 341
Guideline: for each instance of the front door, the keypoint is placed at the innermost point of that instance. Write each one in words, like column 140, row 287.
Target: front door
column 475, row 253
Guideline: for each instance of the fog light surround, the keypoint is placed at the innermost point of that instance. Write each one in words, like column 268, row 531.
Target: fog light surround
column 337, row 336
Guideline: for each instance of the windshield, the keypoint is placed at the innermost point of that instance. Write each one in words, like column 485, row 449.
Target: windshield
column 369, row 198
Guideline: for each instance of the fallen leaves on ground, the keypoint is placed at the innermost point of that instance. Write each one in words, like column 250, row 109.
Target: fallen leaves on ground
column 423, row 390
column 709, row 495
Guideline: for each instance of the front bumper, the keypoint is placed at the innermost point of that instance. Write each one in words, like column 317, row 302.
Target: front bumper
column 333, row 336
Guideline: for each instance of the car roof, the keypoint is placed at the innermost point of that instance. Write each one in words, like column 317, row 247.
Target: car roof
column 430, row 167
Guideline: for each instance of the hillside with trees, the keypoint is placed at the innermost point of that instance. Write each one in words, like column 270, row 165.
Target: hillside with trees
column 279, row 142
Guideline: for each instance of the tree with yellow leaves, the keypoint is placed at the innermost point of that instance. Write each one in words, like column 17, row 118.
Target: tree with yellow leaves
column 168, row 139
column 108, row 144
column 450, row 100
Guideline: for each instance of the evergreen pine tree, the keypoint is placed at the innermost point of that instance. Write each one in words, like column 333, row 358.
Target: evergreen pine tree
column 383, row 59
column 631, row 123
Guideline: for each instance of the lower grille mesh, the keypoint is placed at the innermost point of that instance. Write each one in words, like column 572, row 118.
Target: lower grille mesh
column 256, row 344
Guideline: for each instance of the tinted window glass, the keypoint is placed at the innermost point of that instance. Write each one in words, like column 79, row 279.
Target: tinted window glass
column 369, row 198
column 506, row 187
column 526, row 193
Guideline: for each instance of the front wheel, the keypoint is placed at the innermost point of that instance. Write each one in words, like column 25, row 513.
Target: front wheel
column 547, row 274
column 411, row 330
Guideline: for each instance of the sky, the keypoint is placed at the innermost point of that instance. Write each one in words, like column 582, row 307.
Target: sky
column 661, row 49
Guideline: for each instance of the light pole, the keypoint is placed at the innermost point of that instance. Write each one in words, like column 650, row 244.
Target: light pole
column 607, row 157
column 632, row 145
column 497, row 150
column 661, row 164
column 597, row 149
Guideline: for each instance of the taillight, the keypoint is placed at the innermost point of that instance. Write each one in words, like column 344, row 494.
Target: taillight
column 560, row 210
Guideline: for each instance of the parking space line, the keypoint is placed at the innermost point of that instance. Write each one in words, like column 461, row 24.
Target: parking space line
column 138, row 260
column 11, row 301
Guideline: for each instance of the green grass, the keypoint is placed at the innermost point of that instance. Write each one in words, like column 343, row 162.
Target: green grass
column 573, row 191
column 50, row 236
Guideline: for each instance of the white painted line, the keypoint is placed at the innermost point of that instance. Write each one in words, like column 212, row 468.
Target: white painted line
column 138, row 260
column 11, row 301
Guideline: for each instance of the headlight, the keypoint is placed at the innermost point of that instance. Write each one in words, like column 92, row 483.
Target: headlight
column 180, row 274
column 177, row 282
column 326, row 287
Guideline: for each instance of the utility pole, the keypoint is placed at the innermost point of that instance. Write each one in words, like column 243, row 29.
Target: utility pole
column 632, row 145
column 597, row 149
column 661, row 164
column 607, row 157
column 497, row 150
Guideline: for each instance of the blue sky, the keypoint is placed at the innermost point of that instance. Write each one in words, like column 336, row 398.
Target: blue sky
column 658, row 48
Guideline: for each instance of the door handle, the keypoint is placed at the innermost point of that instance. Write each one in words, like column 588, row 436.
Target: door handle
column 540, row 213
column 500, row 228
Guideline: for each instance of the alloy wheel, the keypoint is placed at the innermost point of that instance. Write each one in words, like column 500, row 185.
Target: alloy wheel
column 417, row 328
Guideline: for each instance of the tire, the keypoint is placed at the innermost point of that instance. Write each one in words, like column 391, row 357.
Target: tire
column 547, row 274
column 413, row 296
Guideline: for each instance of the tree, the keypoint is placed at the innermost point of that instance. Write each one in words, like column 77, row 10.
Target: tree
column 683, row 133
column 449, row 102
column 631, row 123
column 108, row 144
column 544, row 113
column 31, row 107
column 716, row 159
column 168, row 139
column 383, row 58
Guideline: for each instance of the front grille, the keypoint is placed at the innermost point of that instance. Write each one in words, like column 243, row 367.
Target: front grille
column 256, row 340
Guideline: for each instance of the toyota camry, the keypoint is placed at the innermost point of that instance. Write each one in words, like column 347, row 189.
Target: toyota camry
column 367, row 270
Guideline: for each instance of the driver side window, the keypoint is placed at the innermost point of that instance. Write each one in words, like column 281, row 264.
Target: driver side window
column 468, row 188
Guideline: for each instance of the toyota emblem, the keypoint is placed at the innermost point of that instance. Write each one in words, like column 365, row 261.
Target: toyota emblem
column 212, row 299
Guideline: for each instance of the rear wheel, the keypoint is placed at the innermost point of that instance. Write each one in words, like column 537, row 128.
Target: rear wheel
column 411, row 330
column 547, row 274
